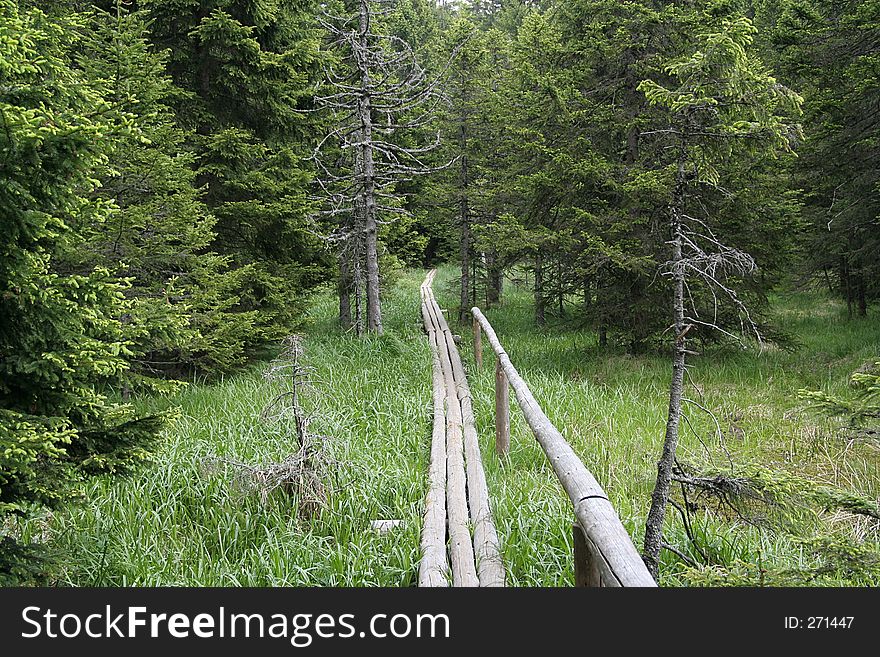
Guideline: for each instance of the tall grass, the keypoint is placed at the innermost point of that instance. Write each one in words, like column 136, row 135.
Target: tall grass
column 174, row 524
column 612, row 408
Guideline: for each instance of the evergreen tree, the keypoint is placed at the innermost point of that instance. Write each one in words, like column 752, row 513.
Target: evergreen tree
column 829, row 50
column 722, row 105
column 60, row 338
column 380, row 100
column 465, row 143
column 248, row 70
column 184, row 313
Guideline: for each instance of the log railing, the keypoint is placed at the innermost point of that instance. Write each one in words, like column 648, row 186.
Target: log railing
column 603, row 550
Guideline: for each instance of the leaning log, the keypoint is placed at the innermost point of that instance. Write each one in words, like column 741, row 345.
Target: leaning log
column 615, row 555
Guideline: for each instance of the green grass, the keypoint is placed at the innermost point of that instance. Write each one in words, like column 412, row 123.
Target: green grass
column 173, row 524
column 612, row 408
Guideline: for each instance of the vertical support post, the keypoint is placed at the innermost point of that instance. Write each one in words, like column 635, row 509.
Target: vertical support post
column 502, row 411
column 478, row 344
column 586, row 571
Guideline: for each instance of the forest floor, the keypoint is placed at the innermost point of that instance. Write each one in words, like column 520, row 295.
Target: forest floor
column 183, row 521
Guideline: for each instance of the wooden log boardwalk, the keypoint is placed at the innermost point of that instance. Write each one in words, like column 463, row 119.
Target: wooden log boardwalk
column 457, row 505
column 458, row 496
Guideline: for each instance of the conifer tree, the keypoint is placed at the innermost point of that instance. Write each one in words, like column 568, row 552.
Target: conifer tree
column 721, row 104
column 247, row 71
column 379, row 98
column 184, row 313
column 829, row 49
column 467, row 143
column 60, row 338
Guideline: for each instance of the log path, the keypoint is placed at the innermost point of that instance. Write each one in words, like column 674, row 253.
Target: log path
column 459, row 536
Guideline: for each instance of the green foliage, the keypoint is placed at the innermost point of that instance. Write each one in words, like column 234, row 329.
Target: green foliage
column 828, row 49
column 725, row 101
column 23, row 564
column 725, row 119
column 60, row 335
column 863, row 406
column 246, row 75
column 220, row 537
column 157, row 224
column 787, row 491
column 185, row 313
column 608, row 404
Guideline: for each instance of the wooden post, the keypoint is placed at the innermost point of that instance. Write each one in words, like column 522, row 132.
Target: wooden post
column 478, row 343
column 586, row 569
column 502, row 411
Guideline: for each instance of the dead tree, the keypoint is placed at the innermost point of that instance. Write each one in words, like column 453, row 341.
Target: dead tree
column 698, row 258
column 379, row 98
column 724, row 105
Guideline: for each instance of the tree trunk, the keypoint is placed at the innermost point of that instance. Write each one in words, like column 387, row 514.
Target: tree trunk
column 345, row 285
column 358, row 294
column 640, row 327
column 601, row 313
column 561, row 292
column 861, row 296
column 496, row 279
column 828, row 280
column 473, row 282
column 845, row 286
column 540, row 317
column 371, row 227
column 464, row 221
column 464, row 255
column 660, row 496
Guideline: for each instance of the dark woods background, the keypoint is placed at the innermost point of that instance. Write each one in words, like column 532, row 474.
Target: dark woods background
column 162, row 218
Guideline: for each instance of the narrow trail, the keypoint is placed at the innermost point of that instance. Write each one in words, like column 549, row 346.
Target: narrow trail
column 458, row 497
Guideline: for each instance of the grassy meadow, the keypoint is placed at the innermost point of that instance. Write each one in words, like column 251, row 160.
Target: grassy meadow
column 180, row 523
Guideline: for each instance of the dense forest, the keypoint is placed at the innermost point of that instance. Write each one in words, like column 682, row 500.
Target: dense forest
column 181, row 181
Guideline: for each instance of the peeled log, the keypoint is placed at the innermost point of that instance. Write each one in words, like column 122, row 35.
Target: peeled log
column 434, row 566
column 461, row 548
column 489, row 565
column 615, row 555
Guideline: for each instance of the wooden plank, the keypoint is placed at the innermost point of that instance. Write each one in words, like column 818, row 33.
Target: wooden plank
column 615, row 554
column 385, row 526
column 490, row 567
column 461, row 548
column 502, row 411
column 434, row 565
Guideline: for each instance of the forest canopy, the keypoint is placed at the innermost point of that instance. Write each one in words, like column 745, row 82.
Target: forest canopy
column 178, row 180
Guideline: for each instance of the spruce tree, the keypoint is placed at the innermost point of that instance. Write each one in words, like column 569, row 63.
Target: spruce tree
column 184, row 314
column 722, row 105
column 379, row 100
column 248, row 72
column 61, row 341
column 829, row 49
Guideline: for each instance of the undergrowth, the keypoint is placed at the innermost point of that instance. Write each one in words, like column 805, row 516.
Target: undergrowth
column 808, row 524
